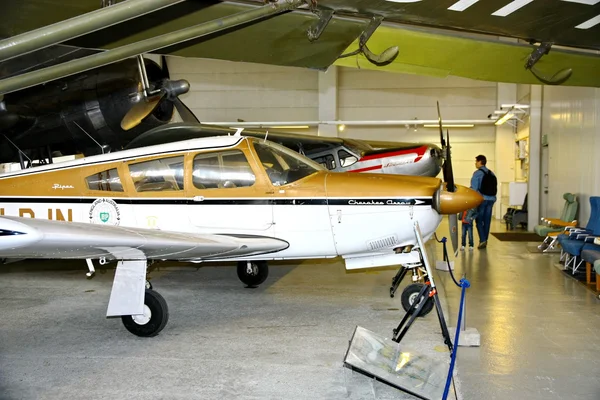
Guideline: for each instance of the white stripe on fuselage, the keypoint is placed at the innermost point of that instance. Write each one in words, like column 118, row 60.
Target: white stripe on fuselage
column 313, row 230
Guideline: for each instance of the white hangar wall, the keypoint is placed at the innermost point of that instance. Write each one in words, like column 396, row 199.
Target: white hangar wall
column 228, row 91
column 571, row 121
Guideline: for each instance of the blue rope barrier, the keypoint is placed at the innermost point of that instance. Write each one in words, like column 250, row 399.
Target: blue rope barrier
column 464, row 284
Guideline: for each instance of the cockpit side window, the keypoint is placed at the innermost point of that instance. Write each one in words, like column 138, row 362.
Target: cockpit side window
column 105, row 180
column 224, row 170
column 346, row 159
column 158, row 175
column 284, row 166
column 326, row 161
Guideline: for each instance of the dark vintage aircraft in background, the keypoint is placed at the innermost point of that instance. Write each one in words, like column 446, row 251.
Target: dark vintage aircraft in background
column 84, row 113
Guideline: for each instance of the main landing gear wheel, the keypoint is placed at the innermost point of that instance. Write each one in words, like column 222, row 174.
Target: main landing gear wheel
column 410, row 294
column 252, row 273
column 154, row 319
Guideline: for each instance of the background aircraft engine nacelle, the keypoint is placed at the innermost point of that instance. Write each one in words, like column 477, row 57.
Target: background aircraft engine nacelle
column 58, row 112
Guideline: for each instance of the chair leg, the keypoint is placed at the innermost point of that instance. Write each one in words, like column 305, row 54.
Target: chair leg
column 552, row 244
column 588, row 273
column 576, row 264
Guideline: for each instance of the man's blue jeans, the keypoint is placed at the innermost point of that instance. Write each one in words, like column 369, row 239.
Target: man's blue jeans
column 484, row 219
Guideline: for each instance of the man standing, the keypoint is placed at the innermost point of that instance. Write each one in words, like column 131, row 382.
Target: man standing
column 484, row 181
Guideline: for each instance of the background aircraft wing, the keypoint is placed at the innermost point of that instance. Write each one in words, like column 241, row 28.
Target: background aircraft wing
column 435, row 54
column 37, row 238
column 282, row 40
column 184, row 131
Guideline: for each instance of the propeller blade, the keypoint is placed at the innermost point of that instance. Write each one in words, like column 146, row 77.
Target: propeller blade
column 184, row 111
column 453, row 224
column 139, row 111
column 441, row 129
column 165, row 66
column 448, row 173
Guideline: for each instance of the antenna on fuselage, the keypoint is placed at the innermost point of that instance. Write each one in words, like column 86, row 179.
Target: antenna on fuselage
column 238, row 132
column 90, row 136
column 19, row 150
column 266, row 135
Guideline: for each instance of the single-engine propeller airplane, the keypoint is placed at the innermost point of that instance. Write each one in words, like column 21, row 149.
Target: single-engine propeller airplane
column 227, row 198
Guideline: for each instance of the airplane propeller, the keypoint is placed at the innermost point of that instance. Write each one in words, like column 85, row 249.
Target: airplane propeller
column 448, row 180
column 146, row 100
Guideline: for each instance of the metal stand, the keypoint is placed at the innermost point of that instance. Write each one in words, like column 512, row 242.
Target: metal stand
column 426, row 292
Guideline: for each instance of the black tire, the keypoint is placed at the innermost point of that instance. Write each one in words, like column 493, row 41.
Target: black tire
column 410, row 293
column 156, row 308
column 260, row 271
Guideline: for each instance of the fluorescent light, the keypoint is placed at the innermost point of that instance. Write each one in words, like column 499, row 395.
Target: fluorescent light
column 511, row 8
column 589, row 23
column 462, row 5
column 588, row 2
column 290, row 127
column 449, row 125
column 504, row 118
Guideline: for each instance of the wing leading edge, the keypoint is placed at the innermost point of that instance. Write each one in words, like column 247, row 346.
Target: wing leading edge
column 37, row 238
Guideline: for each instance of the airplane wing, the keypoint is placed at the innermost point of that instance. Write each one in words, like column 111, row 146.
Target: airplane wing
column 183, row 131
column 37, row 238
column 430, row 51
column 440, row 55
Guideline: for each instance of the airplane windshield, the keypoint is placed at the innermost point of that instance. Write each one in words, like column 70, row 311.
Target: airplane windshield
column 283, row 165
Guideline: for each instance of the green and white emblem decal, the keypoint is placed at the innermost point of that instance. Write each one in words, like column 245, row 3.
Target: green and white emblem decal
column 105, row 211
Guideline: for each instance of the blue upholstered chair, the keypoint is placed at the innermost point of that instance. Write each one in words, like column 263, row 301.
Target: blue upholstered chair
column 591, row 256
column 574, row 239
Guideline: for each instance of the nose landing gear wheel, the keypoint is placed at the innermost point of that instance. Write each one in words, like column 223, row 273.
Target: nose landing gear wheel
column 410, row 294
column 154, row 319
column 252, row 273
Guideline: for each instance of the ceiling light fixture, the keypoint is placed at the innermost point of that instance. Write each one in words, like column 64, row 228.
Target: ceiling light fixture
column 509, row 114
column 449, row 125
column 514, row 106
column 289, row 127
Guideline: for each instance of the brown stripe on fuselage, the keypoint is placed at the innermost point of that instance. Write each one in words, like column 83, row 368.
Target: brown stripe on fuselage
column 69, row 181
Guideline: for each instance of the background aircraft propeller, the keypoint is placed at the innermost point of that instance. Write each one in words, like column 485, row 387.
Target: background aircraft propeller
column 147, row 99
column 448, row 180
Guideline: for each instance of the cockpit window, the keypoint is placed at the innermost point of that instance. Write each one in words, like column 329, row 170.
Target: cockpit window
column 283, row 165
column 224, row 170
column 346, row 159
column 105, row 180
column 159, row 175
column 326, row 161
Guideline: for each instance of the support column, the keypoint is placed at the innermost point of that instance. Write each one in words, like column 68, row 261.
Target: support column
column 535, row 157
column 505, row 146
column 328, row 101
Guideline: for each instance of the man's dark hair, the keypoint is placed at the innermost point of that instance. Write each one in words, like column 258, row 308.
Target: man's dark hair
column 481, row 158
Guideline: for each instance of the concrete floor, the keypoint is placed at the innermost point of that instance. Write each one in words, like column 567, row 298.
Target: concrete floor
column 287, row 339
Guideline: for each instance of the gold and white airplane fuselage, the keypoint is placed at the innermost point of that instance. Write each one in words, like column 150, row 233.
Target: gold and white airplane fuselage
column 186, row 187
